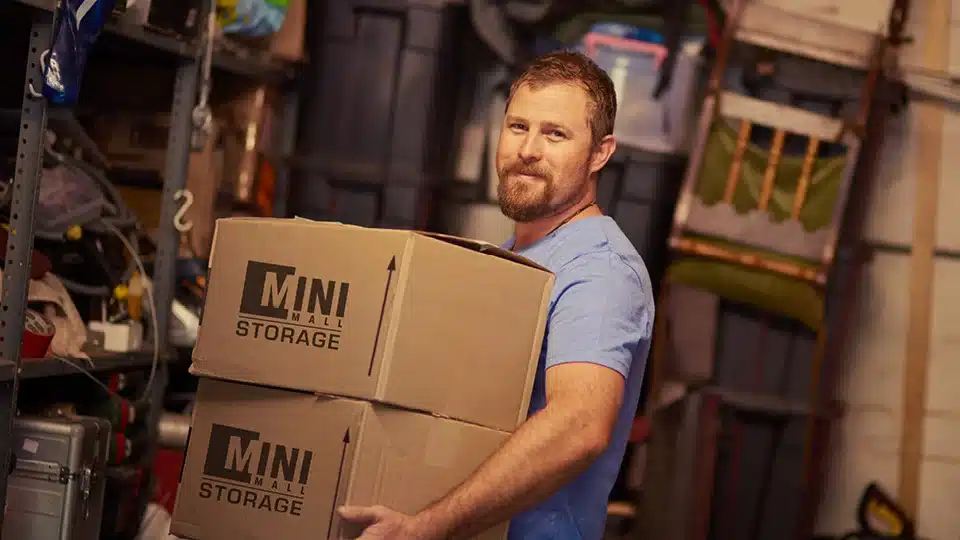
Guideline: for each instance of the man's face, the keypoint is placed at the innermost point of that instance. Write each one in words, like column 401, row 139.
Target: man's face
column 544, row 153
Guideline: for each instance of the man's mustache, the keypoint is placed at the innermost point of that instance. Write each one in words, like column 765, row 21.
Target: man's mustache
column 529, row 170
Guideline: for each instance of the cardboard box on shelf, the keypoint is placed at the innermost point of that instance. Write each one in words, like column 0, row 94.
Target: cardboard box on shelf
column 180, row 17
column 265, row 463
column 428, row 322
column 176, row 17
column 134, row 142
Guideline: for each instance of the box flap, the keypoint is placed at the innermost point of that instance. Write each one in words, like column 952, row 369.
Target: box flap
column 475, row 245
column 201, row 373
column 484, row 247
column 246, row 219
column 301, row 219
column 297, row 220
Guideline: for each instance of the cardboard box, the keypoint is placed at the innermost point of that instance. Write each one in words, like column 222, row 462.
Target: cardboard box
column 182, row 17
column 134, row 142
column 264, row 463
column 427, row 322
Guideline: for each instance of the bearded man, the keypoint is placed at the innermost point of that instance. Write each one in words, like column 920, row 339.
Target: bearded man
column 552, row 478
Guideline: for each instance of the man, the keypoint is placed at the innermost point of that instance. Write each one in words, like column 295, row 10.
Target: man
column 553, row 476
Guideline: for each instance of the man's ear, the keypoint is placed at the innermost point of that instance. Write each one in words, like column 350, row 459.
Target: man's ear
column 602, row 153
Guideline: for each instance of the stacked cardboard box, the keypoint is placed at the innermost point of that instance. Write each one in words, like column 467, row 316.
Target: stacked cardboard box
column 346, row 365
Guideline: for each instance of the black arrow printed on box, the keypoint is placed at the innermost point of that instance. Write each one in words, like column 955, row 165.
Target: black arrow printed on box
column 383, row 308
column 336, row 491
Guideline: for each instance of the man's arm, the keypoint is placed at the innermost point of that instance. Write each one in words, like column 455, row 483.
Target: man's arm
column 544, row 454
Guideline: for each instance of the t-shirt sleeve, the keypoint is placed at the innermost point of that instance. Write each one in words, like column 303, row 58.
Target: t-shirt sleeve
column 601, row 314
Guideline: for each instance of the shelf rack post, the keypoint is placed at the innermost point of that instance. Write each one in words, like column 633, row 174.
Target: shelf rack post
column 290, row 111
column 168, row 238
column 16, row 275
column 174, row 179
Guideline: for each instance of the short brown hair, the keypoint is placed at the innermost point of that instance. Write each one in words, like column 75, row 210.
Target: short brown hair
column 575, row 68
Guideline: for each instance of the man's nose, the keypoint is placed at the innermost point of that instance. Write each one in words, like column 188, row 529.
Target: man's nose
column 531, row 149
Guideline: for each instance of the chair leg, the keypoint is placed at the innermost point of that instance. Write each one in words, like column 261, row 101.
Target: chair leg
column 706, row 466
column 816, row 407
column 820, row 427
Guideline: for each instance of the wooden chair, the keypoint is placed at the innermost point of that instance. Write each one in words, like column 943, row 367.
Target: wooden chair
column 759, row 227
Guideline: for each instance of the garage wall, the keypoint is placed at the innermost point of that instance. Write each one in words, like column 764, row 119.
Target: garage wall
column 867, row 444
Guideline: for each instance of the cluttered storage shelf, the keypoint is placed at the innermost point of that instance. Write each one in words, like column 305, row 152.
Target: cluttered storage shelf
column 228, row 57
column 106, row 138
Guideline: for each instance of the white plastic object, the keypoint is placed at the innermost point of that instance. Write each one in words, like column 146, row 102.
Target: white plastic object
column 662, row 125
column 119, row 337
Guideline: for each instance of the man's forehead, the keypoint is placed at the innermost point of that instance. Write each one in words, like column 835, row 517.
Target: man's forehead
column 556, row 102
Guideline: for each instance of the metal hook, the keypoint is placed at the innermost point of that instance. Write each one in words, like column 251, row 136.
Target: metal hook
column 43, row 68
column 178, row 221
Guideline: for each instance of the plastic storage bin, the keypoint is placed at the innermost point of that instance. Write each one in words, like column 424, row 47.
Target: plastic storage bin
column 639, row 190
column 662, row 125
column 378, row 95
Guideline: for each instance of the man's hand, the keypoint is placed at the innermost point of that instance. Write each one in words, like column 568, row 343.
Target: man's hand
column 381, row 523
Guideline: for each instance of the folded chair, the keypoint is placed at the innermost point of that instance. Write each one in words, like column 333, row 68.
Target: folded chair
column 757, row 225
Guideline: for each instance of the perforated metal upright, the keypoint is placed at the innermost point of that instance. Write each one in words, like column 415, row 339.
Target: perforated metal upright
column 168, row 238
column 174, row 180
column 26, row 184
column 286, row 145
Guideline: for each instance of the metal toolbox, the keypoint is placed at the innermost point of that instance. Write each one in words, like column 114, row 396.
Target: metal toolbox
column 56, row 489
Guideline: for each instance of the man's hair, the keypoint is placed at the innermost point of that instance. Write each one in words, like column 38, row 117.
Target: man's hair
column 570, row 67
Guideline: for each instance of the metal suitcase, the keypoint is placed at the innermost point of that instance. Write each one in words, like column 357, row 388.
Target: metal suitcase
column 56, row 489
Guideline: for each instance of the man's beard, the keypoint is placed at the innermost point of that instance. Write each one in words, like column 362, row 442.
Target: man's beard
column 529, row 200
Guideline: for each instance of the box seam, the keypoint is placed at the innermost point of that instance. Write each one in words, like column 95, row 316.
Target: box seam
column 389, row 340
column 537, row 348
column 348, row 489
column 468, row 422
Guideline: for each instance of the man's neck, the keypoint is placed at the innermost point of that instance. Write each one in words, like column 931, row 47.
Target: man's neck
column 527, row 234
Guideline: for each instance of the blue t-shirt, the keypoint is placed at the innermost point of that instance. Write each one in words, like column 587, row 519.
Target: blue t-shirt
column 601, row 311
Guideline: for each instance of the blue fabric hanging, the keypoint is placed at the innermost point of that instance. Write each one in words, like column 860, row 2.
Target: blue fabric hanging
column 75, row 29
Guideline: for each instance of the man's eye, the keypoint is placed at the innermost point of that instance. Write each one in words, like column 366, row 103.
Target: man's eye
column 517, row 127
column 557, row 134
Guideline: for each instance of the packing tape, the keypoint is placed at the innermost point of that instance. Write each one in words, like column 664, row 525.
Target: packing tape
column 38, row 334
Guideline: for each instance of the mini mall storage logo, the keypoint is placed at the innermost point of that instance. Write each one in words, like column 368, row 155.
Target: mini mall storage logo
column 279, row 305
column 240, row 469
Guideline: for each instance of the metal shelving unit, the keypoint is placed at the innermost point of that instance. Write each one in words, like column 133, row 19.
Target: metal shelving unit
column 103, row 363
column 33, row 121
column 238, row 62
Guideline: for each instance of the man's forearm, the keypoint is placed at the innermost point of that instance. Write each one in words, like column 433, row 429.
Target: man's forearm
column 545, row 453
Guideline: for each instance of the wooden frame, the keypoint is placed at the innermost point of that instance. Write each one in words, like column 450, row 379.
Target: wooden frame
column 818, row 247
column 833, row 31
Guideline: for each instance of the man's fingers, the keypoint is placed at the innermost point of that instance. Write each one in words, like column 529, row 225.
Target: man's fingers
column 361, row 515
